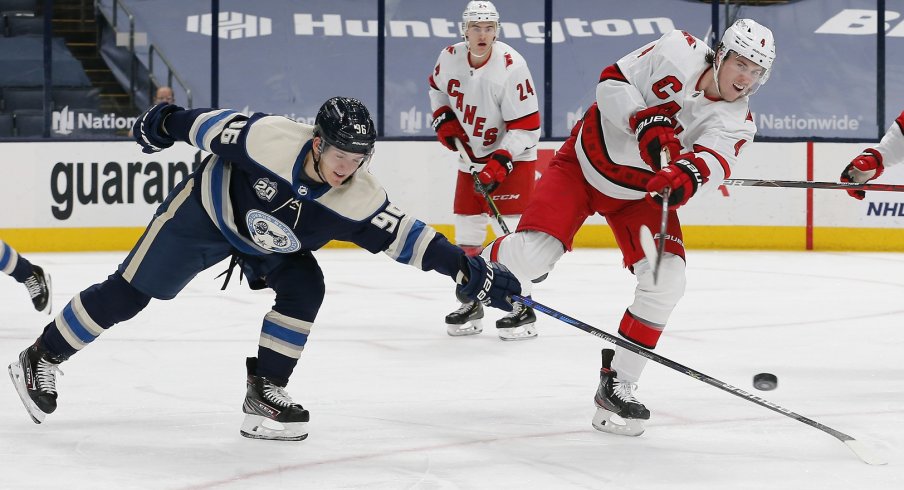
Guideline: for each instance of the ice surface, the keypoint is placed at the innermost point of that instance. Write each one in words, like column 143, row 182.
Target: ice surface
column 396, row 403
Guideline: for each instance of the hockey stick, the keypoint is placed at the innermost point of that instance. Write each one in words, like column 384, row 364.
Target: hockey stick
column 646, row 237
column 806, row 184
column 479, row 186
column 858, row 448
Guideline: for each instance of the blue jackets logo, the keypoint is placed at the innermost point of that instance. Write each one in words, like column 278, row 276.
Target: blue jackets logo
column 270, row 233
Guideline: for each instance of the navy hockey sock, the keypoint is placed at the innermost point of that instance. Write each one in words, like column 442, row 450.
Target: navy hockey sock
column 14, row 264
column 91, row 312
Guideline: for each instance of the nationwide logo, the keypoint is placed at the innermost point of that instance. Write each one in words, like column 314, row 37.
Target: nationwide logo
column 233, row 25
column 413, row 121
column 792, row 122
column 572, row 118
column 65, row 121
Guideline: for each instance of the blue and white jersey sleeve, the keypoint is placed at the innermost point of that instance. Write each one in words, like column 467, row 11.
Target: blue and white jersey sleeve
column 407, row 240
column 256, row 142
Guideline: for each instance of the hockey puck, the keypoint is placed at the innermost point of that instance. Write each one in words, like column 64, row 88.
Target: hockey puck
column 765, row 381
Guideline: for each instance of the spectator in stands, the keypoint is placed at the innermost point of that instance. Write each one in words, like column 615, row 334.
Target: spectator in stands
column 32, row 276
column 164, row 94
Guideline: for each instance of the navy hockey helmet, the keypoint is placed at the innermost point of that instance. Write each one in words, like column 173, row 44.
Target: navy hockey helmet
column 345, row 123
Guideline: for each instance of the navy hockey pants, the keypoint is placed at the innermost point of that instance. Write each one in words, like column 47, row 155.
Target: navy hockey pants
column 180, row 242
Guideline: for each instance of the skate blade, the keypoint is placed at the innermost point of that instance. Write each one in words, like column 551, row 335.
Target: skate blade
column 16, row 375
column 473, row 327
column 606, row 421
column 258, row 427
column 48, row 308
column 521, row 332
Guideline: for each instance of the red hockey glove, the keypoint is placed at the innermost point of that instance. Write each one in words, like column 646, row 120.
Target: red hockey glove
column 655, row 131
column 684, row 176
column 866, row 167
column 495, row 171
column 447, row 128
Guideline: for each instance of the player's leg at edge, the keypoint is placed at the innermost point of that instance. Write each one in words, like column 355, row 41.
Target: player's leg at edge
column 618, row 411
column 530, row 255
column 269, row 411
column 34, row 376
column 467, row 319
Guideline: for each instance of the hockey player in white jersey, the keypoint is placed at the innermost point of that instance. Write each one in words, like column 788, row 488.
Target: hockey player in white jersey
column 482, row 94
column 870, row 164
column 671, row 97
column 272, row 191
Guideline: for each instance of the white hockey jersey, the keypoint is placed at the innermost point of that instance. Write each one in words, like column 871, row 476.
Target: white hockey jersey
column 667, row 71
column 496, row 104
column 892, row 145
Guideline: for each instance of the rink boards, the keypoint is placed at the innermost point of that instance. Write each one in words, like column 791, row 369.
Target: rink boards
column 85, row 196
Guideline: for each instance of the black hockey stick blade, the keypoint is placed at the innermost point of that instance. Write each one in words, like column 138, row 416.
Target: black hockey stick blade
column 806, row 184
column 863, row 452
column 478, row 185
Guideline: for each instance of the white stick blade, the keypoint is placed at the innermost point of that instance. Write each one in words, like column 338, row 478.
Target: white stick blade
column 865, row 454
column 648, row 244
column 462, row 151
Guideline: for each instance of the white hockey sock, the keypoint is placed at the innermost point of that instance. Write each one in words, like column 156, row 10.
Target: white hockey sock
column 628, row 365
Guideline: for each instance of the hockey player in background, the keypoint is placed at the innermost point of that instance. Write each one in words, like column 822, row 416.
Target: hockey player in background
column 482, row 94
column 32, row 276
column 871, row 163
column 672, row 96
column 272, row 191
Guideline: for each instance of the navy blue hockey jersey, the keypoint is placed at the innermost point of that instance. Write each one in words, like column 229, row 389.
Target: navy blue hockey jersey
column 256, row 192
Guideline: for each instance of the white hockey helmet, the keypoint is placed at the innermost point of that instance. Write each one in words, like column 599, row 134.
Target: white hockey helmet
column 752, row 40
column 478, row 11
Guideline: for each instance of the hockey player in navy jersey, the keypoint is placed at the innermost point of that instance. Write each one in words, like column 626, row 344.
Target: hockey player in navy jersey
column 673, row 94
column 272, row 191
column 870, row 163
column 32, row 276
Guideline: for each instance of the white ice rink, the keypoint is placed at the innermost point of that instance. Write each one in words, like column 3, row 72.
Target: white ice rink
column 397, row 404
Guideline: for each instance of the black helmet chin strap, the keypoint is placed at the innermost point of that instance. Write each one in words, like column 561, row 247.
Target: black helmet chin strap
column 316, row 159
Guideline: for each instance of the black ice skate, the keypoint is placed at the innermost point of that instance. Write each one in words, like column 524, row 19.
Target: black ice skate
column 466, row 320
column 34, row 377
column 617, row 411
column 38, row 285
column 270, row 412
column 518, row 324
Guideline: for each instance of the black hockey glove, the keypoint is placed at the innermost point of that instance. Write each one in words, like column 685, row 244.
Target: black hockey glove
column 148, row 128
column 490, row 283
